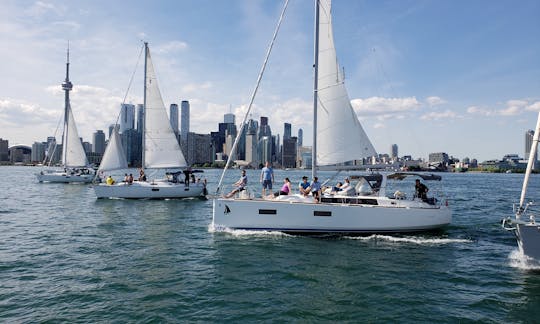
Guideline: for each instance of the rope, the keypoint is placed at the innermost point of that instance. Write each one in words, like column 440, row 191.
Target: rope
column 259, row 78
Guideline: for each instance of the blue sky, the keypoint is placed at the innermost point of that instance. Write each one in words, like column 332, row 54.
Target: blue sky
column 456, row 76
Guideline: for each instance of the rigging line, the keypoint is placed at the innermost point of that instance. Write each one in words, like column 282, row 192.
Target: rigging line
column 130, row 83
column 259, row 78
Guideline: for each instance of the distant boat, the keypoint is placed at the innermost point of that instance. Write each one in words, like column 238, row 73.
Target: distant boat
column 338, row 138
column 160, row 151
column 75, row 167
column 524, row 225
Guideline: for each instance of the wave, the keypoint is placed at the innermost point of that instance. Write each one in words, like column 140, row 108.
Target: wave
column 523, row 262
column 410, row 239
column 239, row 233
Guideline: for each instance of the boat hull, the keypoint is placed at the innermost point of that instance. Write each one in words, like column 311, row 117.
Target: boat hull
column 149, row 190
column 528, row 237
column 63, row 177
column 301, row 217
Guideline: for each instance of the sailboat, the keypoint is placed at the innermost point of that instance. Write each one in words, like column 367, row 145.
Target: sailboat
column 338, row 137
column 160, row 151
column 524, row 225
column 75, row 167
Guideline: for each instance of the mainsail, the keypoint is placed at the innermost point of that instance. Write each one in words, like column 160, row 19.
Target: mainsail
column 161, row 149
column 73, row 151
column 340, row 137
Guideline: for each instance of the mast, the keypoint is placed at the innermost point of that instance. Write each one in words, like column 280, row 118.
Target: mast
column 66, row 86
column 530, row 164
column 315, row 95
column 144, row 102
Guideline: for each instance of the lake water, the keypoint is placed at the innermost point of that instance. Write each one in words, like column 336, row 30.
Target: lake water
column 67, row 257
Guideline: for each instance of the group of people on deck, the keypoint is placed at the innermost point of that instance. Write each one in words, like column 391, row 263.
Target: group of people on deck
column 304, row 187
column 128, row 179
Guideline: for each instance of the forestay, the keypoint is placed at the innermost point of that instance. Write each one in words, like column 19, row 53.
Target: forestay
column 340, row 137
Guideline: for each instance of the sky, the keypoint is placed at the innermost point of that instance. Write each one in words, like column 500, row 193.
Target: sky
column 454, row 76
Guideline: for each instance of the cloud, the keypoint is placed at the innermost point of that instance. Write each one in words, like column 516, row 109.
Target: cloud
column 171, row 47
column 193, row 87
column 435, row 115
column 534, row 106
column 40, row 8
column 385, row 107
column 435, row 101
column 512, row 107
column 13, row 111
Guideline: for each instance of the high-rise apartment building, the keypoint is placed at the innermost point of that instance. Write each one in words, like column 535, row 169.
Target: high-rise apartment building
column 528, row 144
column 300, row 137
column 289, row 152
column 173, row 116
column 4, row 153
column 140, row 116
column 286, row 131
column 127, row 117
column 98, row 139
column 229, row 118
column 184, row 120
column 394, row 151
column 38, row 152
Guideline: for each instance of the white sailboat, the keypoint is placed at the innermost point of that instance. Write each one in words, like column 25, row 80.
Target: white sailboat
column 524, row 225
column 75, row 167
column 160, row 151
column 338, row 138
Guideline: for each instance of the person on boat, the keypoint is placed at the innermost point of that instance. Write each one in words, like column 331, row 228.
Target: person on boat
column 192, row 178
column 267, row 178
column 126, row 177
column 421, row 190
column 130, row 178
column 303, row 186
column 110, row 181
column 285, row 189
column 142, row 176
column 315, row 188
column 240, row 185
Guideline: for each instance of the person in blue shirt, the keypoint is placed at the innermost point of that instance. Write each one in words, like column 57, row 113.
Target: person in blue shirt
column 315, row 188
column 267, row 178
column 303, row 186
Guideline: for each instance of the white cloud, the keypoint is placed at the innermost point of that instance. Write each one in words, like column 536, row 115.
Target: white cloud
column 171, row 47
column 435, row 115
column 193, row 87
column 385, row 107
column 435, row 101
column 534, row 106
column 40, row 8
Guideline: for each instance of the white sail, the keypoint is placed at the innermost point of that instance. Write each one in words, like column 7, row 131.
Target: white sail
column 340, row 137
column 73, row 151
column 161, row 149
column 114, row 157
column 530, row 162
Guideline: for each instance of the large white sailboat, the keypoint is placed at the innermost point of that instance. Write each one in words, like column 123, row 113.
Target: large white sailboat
column 160, row 151
column 338, row 138
column 524, row 225
column 75, row 167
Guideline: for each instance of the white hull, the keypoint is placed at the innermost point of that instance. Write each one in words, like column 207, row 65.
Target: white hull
column 389, row 215
column 63, row 177
column 149, row 190
column 528, row 237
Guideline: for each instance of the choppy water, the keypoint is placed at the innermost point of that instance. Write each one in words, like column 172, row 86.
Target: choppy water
column 65, row 256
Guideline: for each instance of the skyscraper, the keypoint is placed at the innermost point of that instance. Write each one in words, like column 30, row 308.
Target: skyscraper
column 99, row 142
column 184, row 126
column 229, row 118
column 300, row 137
column 394, row 151
column 286, row 131
column 173, row 116
column 127, row 117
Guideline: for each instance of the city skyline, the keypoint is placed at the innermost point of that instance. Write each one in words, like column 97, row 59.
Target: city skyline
column 415, row 76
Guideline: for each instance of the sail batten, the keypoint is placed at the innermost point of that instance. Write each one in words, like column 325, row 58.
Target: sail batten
column 340, row 136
